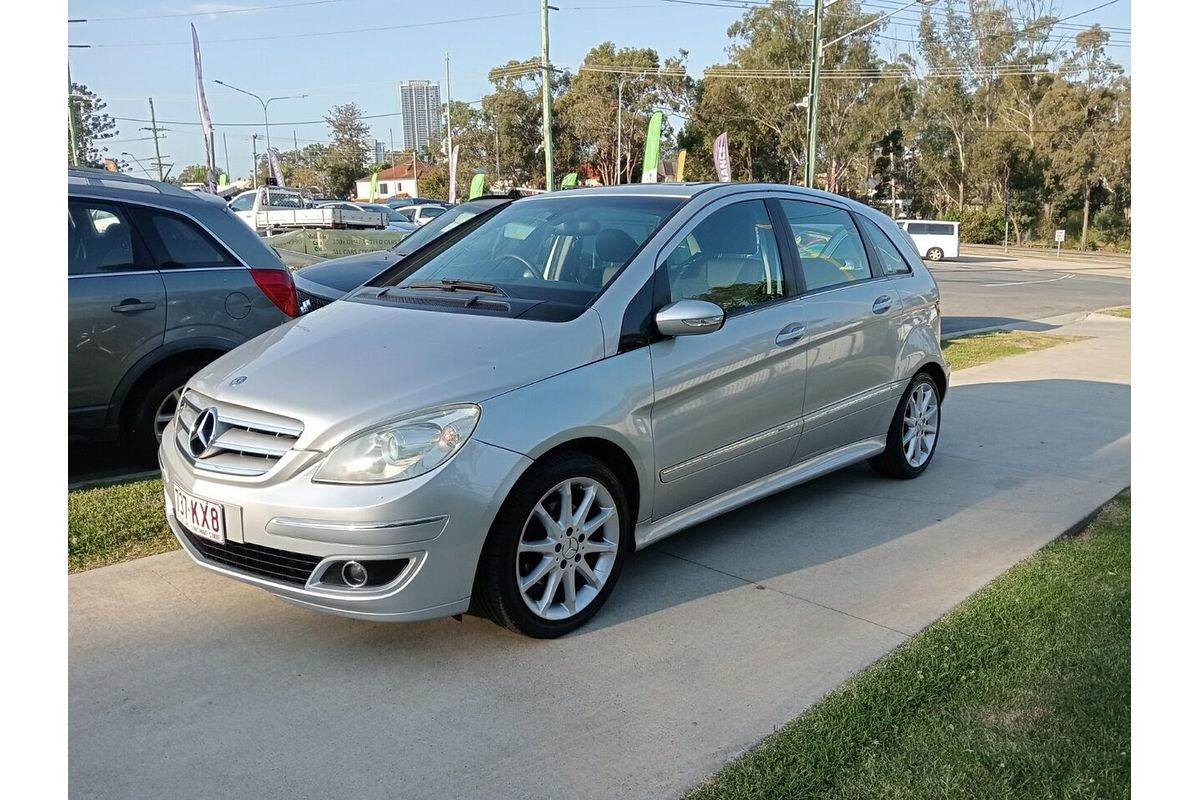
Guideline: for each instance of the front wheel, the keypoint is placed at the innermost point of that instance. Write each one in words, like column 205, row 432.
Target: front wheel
column 935, row 254
column 153, row 407
column 913, row 435
column 556, row 549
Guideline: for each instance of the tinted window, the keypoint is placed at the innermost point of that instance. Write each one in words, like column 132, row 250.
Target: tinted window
column 916, row 228
column 940, row 229
column 731, row 258
column 100, row 238
column 830, row 250
column 178, row 242
column 886, row 254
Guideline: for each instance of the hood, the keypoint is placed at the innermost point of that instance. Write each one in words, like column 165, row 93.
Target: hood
column 349, row 272
column 351, row 365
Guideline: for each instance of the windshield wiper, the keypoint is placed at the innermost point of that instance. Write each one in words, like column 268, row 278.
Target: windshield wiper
column 454, row 284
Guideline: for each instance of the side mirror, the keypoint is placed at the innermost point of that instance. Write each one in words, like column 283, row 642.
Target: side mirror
column 689, row 317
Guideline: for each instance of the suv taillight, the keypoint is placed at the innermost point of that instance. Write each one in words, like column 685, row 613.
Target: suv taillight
column 277, row 284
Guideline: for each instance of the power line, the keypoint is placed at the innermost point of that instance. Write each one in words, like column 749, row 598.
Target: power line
column 318, row 34
column 209, row 13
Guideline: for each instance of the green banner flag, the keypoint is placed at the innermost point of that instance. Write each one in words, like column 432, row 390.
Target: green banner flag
column 570, row 180
column 476, row 185
column 653, row 141
column 374, row 186
column 223, row 180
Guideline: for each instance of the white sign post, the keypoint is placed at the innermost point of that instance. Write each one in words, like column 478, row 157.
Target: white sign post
column 1059, row 236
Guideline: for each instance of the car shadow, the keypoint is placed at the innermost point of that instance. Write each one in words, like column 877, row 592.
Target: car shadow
column 952, row 325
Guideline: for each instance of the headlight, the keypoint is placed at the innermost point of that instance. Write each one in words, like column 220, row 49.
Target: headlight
column 401, row 449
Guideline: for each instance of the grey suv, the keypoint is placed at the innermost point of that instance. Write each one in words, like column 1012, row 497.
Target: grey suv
column 161, row 281
column 501, row 419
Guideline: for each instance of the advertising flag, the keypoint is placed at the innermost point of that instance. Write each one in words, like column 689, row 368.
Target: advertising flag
column 570, row 181
column 276, row 169
column 374, row 187
column 721, row 158
column 477, row 185
column 209, row 148
column 653, row 141
column 453, row 191
column 679, row 162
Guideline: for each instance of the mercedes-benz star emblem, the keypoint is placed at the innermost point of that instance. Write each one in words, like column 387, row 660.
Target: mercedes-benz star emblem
column 204, row 430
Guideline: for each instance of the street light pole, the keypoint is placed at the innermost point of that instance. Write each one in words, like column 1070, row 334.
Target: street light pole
column 264, row 104
column 814, row 74
column 139, row 163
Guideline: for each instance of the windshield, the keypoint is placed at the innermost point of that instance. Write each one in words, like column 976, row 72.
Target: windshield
column 560, row 248
column 444, row 222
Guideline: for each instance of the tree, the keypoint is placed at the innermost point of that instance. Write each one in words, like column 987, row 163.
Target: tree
column 196, row 173
column 92, row 126
column 514, row 112
column 347, row 148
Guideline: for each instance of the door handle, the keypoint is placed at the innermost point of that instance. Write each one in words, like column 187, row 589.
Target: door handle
column 132, row 305
column 790, row 334
column 882, row 304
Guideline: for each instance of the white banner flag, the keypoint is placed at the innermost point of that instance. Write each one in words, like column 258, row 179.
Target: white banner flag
column 209, row 145
column 721, row 158
column 453, row 196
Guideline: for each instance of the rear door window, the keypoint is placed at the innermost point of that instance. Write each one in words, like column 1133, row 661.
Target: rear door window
column 831, row 252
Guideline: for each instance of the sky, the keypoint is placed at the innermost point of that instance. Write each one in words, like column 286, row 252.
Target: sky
column 339, row 51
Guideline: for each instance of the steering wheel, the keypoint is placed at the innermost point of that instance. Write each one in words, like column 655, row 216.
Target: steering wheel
column 527, row 270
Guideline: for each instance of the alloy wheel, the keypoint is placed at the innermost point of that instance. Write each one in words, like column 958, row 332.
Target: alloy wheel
column 921, row 420
column 166, row 411
column 568, row 548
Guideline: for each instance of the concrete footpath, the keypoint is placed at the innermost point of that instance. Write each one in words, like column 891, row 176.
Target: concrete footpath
column 186, row 685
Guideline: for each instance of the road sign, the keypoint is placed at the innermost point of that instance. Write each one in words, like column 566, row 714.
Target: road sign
column 1060, row 235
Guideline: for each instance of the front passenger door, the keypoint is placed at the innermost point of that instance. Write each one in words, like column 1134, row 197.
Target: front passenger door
column 727, row 404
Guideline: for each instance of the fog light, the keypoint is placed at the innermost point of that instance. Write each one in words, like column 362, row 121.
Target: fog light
column 354, row 574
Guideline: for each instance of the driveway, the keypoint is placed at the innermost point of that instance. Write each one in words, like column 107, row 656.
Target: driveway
column 185, row 685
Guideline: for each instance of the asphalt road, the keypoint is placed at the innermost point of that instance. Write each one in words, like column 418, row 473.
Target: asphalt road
column 184, row 684
column 978, row 291
column 981, row 291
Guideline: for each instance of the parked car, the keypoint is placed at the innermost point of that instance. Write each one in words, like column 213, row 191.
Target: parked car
column 499, row 420
column 420, row 214
column 396, row 220
column 400, row 202
column 934, row 239
column 320, row 284
column 160, row 281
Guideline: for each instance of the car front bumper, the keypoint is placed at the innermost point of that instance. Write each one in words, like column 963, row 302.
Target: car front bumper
column 436, row 524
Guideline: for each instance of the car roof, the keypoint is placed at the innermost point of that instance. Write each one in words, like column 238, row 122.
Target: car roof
column 119, row 186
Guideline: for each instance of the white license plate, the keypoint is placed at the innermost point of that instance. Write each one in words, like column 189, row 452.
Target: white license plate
column 204, row 518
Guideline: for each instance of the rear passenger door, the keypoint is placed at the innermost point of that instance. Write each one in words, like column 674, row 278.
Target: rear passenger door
column 116, row 305
column 210, row 293
column 852, row 312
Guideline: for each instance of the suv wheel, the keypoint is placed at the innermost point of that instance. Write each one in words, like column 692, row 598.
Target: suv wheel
column 556, row 549
column 152, row 409
column 914, row 433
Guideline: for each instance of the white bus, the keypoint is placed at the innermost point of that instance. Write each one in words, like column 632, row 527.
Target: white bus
column 935, row 239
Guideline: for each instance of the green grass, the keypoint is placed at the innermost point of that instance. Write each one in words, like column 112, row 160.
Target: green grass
column 1021, row 692
column 972, row 351
column 116, row 523
column 1117, row 312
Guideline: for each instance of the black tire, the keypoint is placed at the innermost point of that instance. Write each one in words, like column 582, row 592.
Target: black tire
column 935, row 254
column 496, row 593
column 141, row 436
column 892, row 462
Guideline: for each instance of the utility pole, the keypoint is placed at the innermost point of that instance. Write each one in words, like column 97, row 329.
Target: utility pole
column 225, row 142
column 295, row 144
column 392, row 142
column 893, row 171
column 547, row 114
column 814, row 83
column 154, row 129
column 254, row 163
column 71, row 119
column 449, row 138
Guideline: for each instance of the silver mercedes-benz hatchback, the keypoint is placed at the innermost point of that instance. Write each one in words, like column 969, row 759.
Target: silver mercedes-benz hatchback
column 497, row 423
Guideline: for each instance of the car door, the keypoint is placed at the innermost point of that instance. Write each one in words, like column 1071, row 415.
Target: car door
column 727, row 404
column 852, row 313
column 210, row 293
column 116, row 306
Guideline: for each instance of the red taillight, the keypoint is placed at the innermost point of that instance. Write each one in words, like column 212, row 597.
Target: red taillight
column 277, row 284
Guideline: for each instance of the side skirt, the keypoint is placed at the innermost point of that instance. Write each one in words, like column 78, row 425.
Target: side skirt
column 649, row 532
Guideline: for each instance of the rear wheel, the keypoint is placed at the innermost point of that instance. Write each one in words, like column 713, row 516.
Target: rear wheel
column 556, row 548
column 914, row 432
column 153, row 407
column 935, row 254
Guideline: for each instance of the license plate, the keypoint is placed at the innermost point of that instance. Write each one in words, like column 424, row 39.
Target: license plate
column 204, row 518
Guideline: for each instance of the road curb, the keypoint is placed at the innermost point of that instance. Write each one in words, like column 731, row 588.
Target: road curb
column 1023, row 325
column 98, row 483
column 1080, row 526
